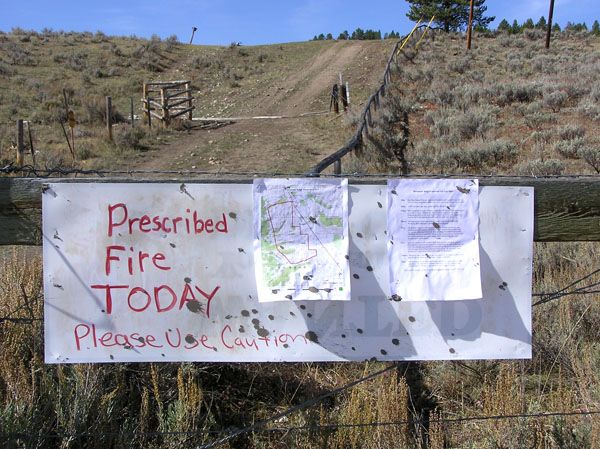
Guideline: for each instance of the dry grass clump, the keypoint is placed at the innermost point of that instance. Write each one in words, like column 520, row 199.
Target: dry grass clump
column 385, row 400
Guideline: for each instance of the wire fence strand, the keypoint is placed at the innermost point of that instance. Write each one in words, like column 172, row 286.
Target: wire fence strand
column 288, row 429
column 29, row 171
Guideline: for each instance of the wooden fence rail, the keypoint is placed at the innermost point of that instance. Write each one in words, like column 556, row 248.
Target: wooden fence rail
column 566, row 208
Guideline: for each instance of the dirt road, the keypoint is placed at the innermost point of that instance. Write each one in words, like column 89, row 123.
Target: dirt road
column 287, row 145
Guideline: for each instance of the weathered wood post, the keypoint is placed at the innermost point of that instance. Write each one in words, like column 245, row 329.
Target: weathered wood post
column 31, row 142
column 164, row 99
column 109, row 117
column 132, row 116
column 145, row 101
column 20, row 143
column 469, row 27
column 148, row 112
column 337, row 167
column 348, row 93
column 190, row 99
column 334, row 99
column 345, row 96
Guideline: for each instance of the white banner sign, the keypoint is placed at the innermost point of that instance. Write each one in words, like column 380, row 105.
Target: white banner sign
column 166, row 272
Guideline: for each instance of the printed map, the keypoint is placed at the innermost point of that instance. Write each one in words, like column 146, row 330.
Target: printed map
column 301, row 239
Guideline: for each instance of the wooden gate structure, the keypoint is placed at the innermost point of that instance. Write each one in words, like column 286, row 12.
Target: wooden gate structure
column 166, row 100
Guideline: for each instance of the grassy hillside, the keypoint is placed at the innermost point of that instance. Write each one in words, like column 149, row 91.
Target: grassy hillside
column 35, row 69
column 506, row 107
column 509, row 106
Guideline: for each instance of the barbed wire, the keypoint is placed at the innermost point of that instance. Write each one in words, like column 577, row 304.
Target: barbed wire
column 308, row 427
column 28, row 171
column 420, row 421
column 306, row 404
column 585, row 290
column 545, row 297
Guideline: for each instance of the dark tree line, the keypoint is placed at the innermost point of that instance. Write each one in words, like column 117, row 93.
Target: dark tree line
column 453, row 15
column 542, row 24
column 358, row 34
column 504, row 26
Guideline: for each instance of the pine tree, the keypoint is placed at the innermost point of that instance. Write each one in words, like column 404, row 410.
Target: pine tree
column 542, row 24
column 504, row 26
column 515, row 28
column 596, row 28
column 449, row 15
column 528, row 24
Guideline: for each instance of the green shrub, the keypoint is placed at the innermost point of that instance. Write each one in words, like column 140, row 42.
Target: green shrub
column 6, row 70
column 506, row 94
column 569, row 148
column 571, row 132
column 130, row 138
column 555, row 100
column 539, row 167
column 591, row 156
column 85, row 153
column 538, row 119
column 590, row 109
column 17, row 55
column 488, row 157
column 459, row 65
column 533, row 34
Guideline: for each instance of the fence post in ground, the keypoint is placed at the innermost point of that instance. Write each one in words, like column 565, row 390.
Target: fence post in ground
column 20, row 143
column 165, row 107
column 337, row 167
column 132, row 115
column 344, row 93
column 348, row 93
column 334, row 99
column 31, row 142
column 190, row 102
column 146, row 103
column 109, row 117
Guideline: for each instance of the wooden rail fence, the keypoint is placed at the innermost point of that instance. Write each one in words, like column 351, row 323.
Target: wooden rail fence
column 566, row 208
column 166, row 100
column 365, row 120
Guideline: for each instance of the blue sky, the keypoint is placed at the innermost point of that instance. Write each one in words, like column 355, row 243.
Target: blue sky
column 252, row 22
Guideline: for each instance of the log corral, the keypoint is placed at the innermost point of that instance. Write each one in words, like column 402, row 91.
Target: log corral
column 166, row 100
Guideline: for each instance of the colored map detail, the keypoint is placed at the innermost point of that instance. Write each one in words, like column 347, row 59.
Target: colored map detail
column 303, row 240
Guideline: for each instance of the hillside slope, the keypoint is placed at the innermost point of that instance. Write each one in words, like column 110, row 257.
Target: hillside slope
column 285, row 79
column 301, row 86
